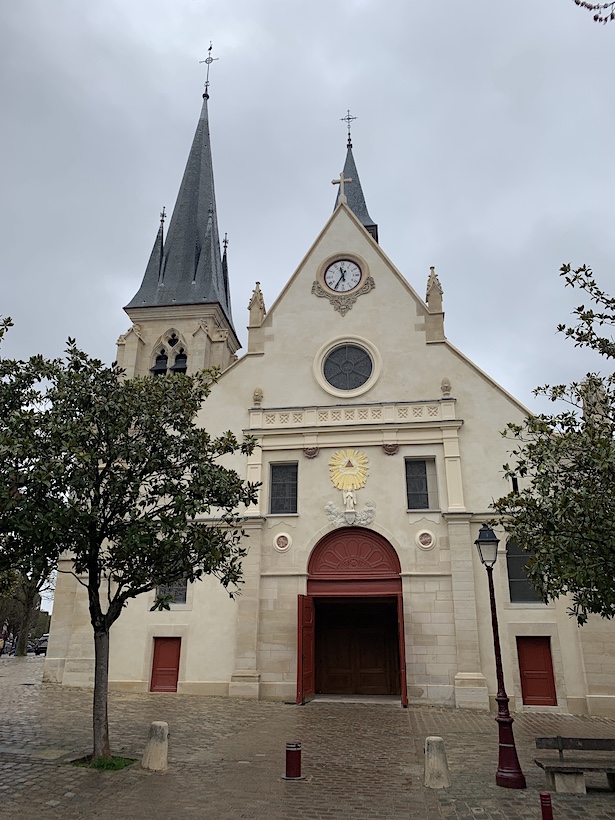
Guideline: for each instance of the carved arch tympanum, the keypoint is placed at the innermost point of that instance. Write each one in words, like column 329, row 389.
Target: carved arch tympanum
column 356, row 555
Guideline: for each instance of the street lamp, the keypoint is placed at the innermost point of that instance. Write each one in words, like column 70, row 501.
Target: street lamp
column 509, row 774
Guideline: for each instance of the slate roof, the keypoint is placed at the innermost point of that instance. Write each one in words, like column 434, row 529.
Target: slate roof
column 354, row 194
column 187, row 268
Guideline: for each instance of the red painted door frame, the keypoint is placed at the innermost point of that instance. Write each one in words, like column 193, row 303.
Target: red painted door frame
column 402, row 648
column 353, row 562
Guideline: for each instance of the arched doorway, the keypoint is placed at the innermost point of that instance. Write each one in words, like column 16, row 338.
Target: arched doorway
column 351, row 635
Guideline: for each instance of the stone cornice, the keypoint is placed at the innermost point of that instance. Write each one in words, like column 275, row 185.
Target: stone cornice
column 437, row 413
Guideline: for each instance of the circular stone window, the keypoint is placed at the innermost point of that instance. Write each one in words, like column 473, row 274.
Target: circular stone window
column 348, row 367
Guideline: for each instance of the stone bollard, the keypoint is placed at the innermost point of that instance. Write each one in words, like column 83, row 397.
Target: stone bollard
column 157, row 747
column 436, row 767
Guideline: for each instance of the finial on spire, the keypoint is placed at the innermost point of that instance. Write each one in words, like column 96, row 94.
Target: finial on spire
column 163, row 216
column 225, row 242
column 208, row 61
column 348, row 119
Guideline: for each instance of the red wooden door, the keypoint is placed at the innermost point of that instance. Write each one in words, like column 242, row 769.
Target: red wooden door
column 536, row 669
column 402, row 648
column 305, row 649
column 165, row 666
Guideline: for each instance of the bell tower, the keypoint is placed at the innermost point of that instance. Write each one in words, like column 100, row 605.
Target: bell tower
column 181, row 314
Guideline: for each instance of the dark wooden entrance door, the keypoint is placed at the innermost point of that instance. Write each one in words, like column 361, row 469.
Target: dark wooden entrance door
column 165, row 666
column 357, row 647
column 536, row 669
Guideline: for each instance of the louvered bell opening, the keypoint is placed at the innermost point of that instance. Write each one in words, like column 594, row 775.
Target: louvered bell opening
column 160, row 366
column 373, row 229
column 181, row 363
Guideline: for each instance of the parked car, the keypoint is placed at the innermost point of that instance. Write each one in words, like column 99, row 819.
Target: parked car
column 40, row 645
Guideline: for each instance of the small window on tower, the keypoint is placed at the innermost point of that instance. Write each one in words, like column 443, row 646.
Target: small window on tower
column 160, row 365
column 173, row 340
column 181, row 362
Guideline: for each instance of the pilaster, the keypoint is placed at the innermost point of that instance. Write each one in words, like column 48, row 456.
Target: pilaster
column 245, row 680
column 470, row 683
column 452, row 464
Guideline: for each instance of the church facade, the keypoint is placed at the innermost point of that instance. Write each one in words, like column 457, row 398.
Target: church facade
column 379, row 454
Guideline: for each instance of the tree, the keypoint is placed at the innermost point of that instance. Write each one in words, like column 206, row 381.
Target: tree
column 32, row 494
column 565, row 514
column 603, row 12
column 137, row 478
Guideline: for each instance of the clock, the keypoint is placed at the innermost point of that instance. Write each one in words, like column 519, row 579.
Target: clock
column 342, row 276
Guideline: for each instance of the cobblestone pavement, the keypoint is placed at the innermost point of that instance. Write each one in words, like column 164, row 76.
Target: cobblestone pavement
column 362, row 760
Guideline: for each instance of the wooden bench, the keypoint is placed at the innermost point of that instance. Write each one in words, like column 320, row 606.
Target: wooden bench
column 569, row 775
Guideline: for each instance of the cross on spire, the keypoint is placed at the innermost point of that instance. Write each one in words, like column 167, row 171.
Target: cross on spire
column 208, row 61
column 340, row 182
column 348, row 119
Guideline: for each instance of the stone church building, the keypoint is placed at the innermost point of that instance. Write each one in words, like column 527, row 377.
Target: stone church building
column 379, row 453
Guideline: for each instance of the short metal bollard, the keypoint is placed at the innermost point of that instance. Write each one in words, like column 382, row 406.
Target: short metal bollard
column 545, row 806
column 293, row 761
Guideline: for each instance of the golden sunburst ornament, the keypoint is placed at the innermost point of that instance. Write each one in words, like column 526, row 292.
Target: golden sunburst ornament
column 348, row 469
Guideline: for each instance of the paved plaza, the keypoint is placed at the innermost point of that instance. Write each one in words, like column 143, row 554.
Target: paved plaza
column 362, row 760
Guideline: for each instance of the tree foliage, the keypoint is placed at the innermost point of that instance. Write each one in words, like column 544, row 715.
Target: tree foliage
column 31, row 493
column 117, row 473
column 565, row 513
column 603, row 12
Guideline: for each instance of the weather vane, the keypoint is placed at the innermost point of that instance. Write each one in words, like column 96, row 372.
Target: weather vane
column 208, row 61
column 348, row 119
column 163, row 216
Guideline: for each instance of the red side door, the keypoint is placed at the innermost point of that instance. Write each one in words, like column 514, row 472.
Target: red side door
column 305, row 649
column 402, row 648
column 165, row 666
column 536, row 669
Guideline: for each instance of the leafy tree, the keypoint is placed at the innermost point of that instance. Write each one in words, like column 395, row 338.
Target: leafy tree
column 20, row 607
column 5, row 324
column 140, row 499
column 31, row 495
column 603, row 12
column 565, row 514
column 10, row 610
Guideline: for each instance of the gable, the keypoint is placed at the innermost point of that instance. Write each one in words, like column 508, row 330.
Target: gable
column 382, row 315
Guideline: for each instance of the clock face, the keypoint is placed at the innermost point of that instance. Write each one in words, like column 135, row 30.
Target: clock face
column 342, row 276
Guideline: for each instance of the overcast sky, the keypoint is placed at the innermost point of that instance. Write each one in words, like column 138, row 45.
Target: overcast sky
column 482, row 140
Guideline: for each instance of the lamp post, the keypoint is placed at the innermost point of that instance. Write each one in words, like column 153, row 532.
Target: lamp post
column 509, row 774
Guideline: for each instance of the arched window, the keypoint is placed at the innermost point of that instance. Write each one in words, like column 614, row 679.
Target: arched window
column 160, row 365
column 181, row 362
column 521, row 591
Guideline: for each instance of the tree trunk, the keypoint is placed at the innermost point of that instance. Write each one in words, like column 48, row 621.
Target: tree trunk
column 29, row 605
column 102, row 748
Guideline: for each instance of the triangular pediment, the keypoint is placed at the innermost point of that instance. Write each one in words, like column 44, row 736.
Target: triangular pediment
column 344, row 235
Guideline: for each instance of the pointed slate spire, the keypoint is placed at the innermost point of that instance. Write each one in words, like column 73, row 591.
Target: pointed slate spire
column 354, row 193
column 191, row 269
column 154, row 266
